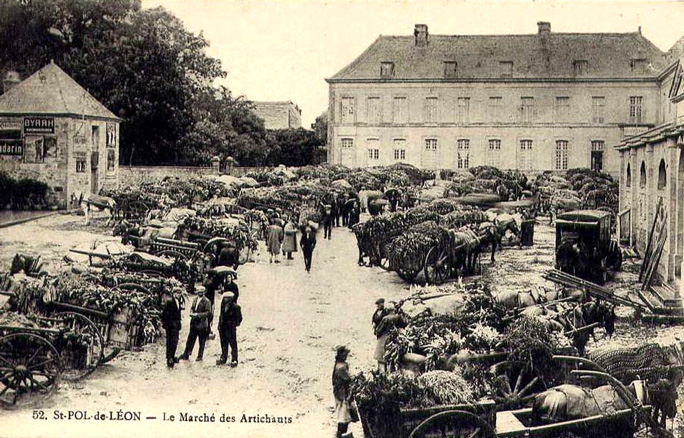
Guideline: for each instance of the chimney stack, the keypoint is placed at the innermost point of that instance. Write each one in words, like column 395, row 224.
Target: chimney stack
column 12, row 78
column 544, row 27
column 421, row 35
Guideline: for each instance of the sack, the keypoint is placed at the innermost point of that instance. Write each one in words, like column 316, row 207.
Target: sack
column 353, row 411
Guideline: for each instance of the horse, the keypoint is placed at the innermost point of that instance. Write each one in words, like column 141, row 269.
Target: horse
column 88, row 201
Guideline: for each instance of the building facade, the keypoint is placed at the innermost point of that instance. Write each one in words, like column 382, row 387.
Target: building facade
column 547, row 101
column 279, row 115
column 652, row 179
column 53, row 130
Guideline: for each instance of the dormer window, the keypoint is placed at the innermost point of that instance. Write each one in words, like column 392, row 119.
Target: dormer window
column 450, row 69
column 506, row 69
column 637, row 65
column 386, row 69
column 580, row 67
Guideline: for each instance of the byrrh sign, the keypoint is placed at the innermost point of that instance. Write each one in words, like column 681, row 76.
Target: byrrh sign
column 39, row 125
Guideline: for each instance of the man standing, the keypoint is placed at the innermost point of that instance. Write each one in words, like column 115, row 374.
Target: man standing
column 274, row 237
column 199, row 325
column 380, row 312
column 388, row 322
column 308, row 243
column 171, row 321
column 327, row 221
column 229, row 321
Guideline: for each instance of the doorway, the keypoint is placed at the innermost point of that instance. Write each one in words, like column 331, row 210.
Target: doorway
column 94, row 165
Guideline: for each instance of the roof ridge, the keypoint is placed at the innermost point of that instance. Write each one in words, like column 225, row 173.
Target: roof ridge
column 439, row 35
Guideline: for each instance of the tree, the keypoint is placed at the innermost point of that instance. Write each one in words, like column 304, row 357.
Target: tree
column 141, row 64
column 320, row 127
column 297, row 147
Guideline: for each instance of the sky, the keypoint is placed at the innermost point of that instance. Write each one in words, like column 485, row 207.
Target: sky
column 285, row 49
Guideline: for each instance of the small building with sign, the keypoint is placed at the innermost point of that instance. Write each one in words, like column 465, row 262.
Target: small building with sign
column 53, row 130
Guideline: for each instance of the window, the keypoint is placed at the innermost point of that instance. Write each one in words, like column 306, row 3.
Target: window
column 386, row 69
column 506, row 68
column 373, row 151
column 597, row 148
column 399, row 149
column 400, row 110
column 111, row 160
column 598, row 104
column 431, row 110
column 580, row 67
column 80, row 158
column 450, row 69
column 463, row 109
column 374, row 110
column 494, row 107
column 525, row 156
column 527, row 109
column 629, row 176
column 463, row 154
column 662, row 175
column 95, row 137
column 642, row 176
column 635, row 109
column 348, row 110
column 494, row 153
column 347, row 143
column 561, row 155
column 637, row 65
column 562, row 109
column 347, row 152
column 431, row 144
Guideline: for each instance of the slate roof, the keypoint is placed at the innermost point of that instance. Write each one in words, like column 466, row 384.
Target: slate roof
column 50, row 91
column 533, row 56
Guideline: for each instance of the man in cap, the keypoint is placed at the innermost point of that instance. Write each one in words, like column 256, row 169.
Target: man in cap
column 199, row 324
column 171, row 321
column 229, row 320
column 379, row 313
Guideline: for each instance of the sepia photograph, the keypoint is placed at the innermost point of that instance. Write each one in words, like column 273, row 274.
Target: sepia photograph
column 341, row 218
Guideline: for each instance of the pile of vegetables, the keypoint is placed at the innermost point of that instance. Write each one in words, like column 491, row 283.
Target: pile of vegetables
column 380, row 397
column 407, row 252
column 215, row 228
column 507, row 185
column 579, row 188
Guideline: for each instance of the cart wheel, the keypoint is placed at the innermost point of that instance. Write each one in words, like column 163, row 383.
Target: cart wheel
column 29, row 369
column 110, row 354
column 513, row 383
column 454, row 424
column 172, row 254
column 437, row 266
column 82, row 352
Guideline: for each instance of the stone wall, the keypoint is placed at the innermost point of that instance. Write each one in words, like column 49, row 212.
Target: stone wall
column 134, row 175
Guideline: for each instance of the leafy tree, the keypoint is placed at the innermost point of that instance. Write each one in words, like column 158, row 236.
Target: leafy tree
column 297, row 147
column 320, row 127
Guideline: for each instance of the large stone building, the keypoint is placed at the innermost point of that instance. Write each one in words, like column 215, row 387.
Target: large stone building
column 53, row 130
column 652, row 177
column 279, row 115
column 545, row 101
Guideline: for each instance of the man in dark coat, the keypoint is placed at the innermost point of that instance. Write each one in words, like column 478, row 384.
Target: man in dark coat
column 308, row 243
column 199, row 325
column 380, row 312
column 327, row 221
column 229, row 320
column 171, row 321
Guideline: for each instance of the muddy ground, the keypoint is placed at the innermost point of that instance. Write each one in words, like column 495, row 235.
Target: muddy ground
column 292, row 322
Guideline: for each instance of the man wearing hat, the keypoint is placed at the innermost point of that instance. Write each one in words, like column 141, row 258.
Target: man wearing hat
column 341, row 383
column 379, row 313
column 171, row 321
column 199, row 324
column 229, row 320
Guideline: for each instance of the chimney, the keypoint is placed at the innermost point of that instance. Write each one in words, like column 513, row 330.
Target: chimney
column 421, row 35
column 12, row 78
column 544, row 27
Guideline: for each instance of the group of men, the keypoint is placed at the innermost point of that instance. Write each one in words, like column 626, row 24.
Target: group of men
column 385, row 318
column 202, row 313
column 340, row 210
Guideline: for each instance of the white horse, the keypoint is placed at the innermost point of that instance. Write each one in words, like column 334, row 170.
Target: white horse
column 88, row 201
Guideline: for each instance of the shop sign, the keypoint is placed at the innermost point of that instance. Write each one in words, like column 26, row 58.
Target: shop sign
column 12, row 147
column 39, row 125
